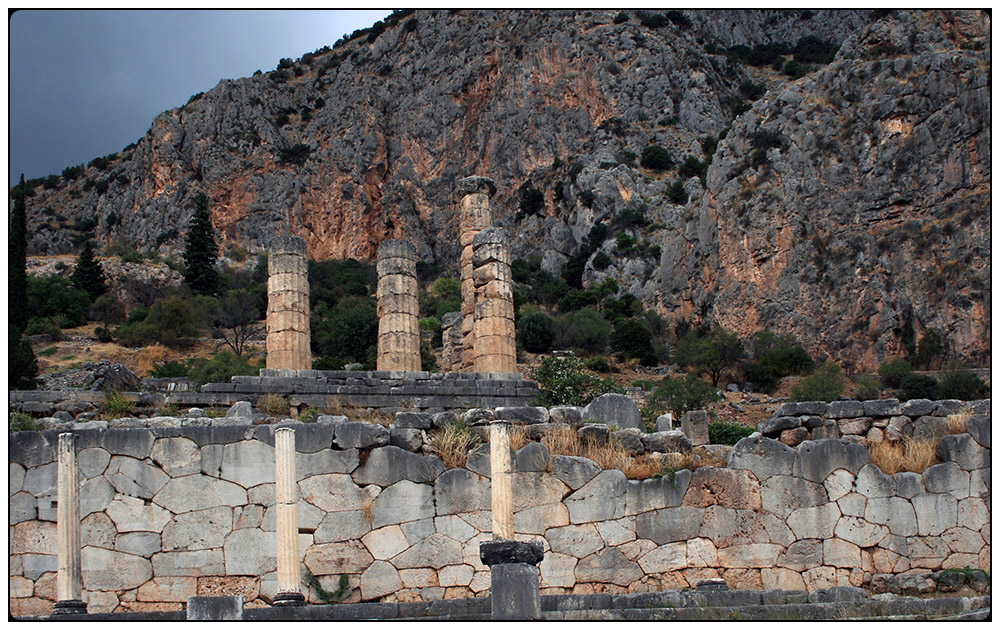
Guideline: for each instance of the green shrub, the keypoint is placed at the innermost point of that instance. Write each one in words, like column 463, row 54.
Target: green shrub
column 680, row 395
column 894, row 372
column 103, row 335
column 631, row 338
column 867, row 387
column 532, row 200
column 598, row 364
column 563, row 381
column 19, row 421
column 652, row 20
column 624, row 242
column 44, row 326
column 221, row 368
column 728, row 432
column 585, row 330
column 428, row 362
column 678, row 19
column 169, row 369
column 601, row 261
column 309, row 414
column 963, row 385
column 621, row 18
column 536, row 331
column 677, row 194
column 173, row 321
column 690, row 167
column 825, row 384
column 655, row 157
column 115, row 405
column 20, row 361
column 345, row 332
column 930, row 349
column 762, row 377
column 918, row 386
column 53, row 296
column 433, row 325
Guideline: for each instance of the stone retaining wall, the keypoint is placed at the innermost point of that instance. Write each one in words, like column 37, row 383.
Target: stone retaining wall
column 173, row 512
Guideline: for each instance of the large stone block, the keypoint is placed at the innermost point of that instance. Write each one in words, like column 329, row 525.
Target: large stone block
column 845, row 409
column 522, row 415
column 672, row 441
column 143, row 544
column 134, row 477
column 665, row 558
column 726, row 527
column 133, row 514
column 916, row 407
column 342, row 526
column 337, row 558
column 379, row 579
column 802, row 555
column 881, row 408
column 434, row 552
column 872, row 482
column 964, row 451
column 775, row 425
column 95, row 496
column 192, row 531
column 578, row 541
column 608, row 566
column 177, row 456
column 107, row 570
column 459, row 490
column 669, row 524
column 724, row 487
column 895, row 513
column 573, row 471
column 860, row 532
column 600, row 499
column 653, row 494
column 614, row 409
column 935, row 513
column 816, row 459
column 250, row 551
column 388, row 464
column 814, row 522
column 361, row 435
column 198, row 492
column 761, row 456
column 947, row 478
column 781, row 495
column 402, row 502
column 137, row 443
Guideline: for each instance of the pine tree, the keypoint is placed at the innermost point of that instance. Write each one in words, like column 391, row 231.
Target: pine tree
column 200, row 251
column 17, row 274
column 88, row 275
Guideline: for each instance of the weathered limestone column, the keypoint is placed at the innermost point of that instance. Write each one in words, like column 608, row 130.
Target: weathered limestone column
column 493, row 322
column 473, row 217
column 451, row 342
column 286, row 503
column 288, row 305
column 514, row 580
column 69, row 590
column 398, row 310
column 502, row 498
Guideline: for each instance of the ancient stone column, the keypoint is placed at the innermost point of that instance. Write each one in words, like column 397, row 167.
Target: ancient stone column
column 473, row 217
column 495, row 348
column 398, row 310
column 69, row 590
column 287, row 519
column 288, row 305
column 502, row 498
column 451, row 342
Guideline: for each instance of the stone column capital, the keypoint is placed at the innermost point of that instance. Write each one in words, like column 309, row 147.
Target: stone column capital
column 287, row 243
column 476, row 184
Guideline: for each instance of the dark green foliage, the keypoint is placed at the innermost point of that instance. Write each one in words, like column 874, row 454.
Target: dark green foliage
column 586, row 331
column 20, row 361
column 963, row 385
column 825, row 384
column 564, row 381
column 655, row 157
column 428, row 362
column 444, row 297
column 236, row 319
column 532, row 201
column 728, row 432
column 100, row 163
column 296, row 155
column 794, row 69
column 690, row 167
column 709, row 146
column 107, row 309
column 21, row 422
column 761, row 376
column 573, row 273
column 782, row 354
column 681, row 395
column 53, row 297
column 201, row 251
column 174, row 321
column 867, row 387
column 49, row 326
column 601, row 261
column 597, row 364
column 88, row 276
column 332, row 280
column 632, row 339
column 677, row 194
column 930, row 350
column 535, row 331
column 72, row 172
column 285, row 63
column 894, row 372
column 17, row 256
column 651, row 20
column 344, row 333
column 918, row 386
column 624, row 242
column 169, row 369
column 709, row 352
column 220, row 368
column 678, row 19
column 751, row 91
column 811, row 49
column 621, row 18
column 103, row 335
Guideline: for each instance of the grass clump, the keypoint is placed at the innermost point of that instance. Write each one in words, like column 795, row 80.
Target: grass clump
column 116, row 405
column 454, row 442
column 910, row 455
column 273, row 405
column 728, row 432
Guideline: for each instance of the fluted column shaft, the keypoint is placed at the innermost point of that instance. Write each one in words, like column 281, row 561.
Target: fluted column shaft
column 69, row 589
column 501, row 496
column 287, row 499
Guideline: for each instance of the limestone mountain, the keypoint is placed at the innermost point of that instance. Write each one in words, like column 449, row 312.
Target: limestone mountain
column 845, row 198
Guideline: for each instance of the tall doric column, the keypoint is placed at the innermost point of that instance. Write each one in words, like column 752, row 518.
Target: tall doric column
column 398, row 310
column 69, row 590
column 286, row 501
column 288, row 305
column 474, row 216
column 495, row 348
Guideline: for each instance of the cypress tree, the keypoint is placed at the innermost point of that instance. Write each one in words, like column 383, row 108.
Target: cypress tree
column 17, row 274
column 88, row 275
column 200, row 250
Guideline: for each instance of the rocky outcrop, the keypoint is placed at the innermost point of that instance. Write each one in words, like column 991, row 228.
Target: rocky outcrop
column 848, row 206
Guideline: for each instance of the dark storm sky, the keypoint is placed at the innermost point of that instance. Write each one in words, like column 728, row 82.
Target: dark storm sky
column 85, row 84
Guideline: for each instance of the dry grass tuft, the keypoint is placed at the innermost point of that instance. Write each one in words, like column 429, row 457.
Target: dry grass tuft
column 273, row 405
column 908, row 456
column 959, row 422
column 518, row 436
column 562, row 440
column 453, row 443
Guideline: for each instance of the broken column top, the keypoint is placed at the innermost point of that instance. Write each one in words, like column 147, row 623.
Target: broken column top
column 476, row 184
column 491, row 236
column 397, row 248
column 287, row 245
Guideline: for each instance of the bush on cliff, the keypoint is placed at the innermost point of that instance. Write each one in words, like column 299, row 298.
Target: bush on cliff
column 826, row 383
column 679, row 395
column 564, row 381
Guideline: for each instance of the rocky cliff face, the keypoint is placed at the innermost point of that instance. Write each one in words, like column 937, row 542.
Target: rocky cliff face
column 848, row 206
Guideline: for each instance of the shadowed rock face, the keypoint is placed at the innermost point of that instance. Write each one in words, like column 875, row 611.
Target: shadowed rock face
column 847, row 207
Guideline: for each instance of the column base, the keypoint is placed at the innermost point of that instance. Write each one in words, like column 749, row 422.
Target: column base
column 289, row 599
column 69, row 607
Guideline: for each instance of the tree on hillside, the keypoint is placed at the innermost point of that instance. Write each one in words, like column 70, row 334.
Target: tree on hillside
column 17, row 276
column 237, row 319
column 20, row 361
column 710, row 354
column 201, row 251
column 88, row 275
